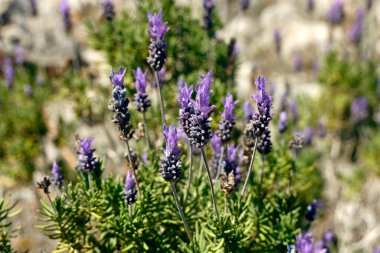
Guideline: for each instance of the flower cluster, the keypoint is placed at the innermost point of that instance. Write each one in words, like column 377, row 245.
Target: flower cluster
column 305, row 244
column 56, row 175
column 119, row 105
column 200, row 130
column 311, row 211
column 130, row 191
column 230, row 169
column 8, row 71
column 170, row 163
column 157, row 30
column 355, row 33
column 108, row 9
column 283, row 122
column 184, row 100
column 228, row 119
column 65, row 11
column 86, row 160
column 141, row 99
column 258, row 127
column 336, row 13
column 208, row 6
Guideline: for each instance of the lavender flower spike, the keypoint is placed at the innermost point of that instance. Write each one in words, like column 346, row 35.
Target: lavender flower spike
column 86, row 160
column 355, row 33
column 19, row 55
column 208, row 6
column 117, row 78
column 336, row 12
column 130, row 191
column 170, row 164
column 248, row 111
column 65, row 11
column 359, row 109
column 157, row 30
column 56, row 175
column 184, row 100
column 200, row 130
column 311, row 211
column 283, row 122
column 108, row 9
column 230, row 169
column 228, row 118
column 244, row 4
column 8, row 71
column 141, row 99
column 305, row 244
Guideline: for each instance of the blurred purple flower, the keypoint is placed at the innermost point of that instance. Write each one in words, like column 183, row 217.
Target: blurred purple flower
column 305, row 244
column 208, row 6
column 130, row 191
column 33, row 7
column 248, row 111
column 108, row 9
column 355, row 33
column 161, row 75
column 144, row 157
column 157, row 28
column 229, row 106
column 294, row 110
column 308, row 135
column 297, row 63
column 311, row 211
column 56, row 175
column 216, row 145
column 310, row 5
column 141, row 99
column 377, row 118
column 328, row 237
column 8, row 72
column 359, row 109
column 283, row 122
column 336, row 13
column 232, row 152
column 262, row 97
column 244, row 4
column 277, row 40
column 117, row 78
column 377, row 250
column 19, row 55
column 65, row 12
column 322, row 131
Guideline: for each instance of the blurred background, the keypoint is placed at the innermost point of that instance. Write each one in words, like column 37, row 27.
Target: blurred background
column 320, row 57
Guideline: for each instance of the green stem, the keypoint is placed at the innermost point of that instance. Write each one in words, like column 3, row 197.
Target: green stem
column 210, row 182
column 181, row 212
column 133, row 167
column 249, row 169
column 190, row 173
column 162, row 107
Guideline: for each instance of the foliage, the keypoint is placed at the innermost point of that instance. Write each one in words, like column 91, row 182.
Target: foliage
column 6, row 213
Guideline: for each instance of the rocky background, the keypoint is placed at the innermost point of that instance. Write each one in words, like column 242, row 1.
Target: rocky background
column 354, row 216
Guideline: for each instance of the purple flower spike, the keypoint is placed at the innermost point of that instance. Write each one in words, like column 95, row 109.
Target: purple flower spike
column 336, row 13
column 308, row 135
column 56, row 175
column 86, row 160
column 311, row 211
column 8, row 71
column 304, row 243
column 185, row 93
column 141, row 99
column 65, row 11
column 248, row 111
column 208, row 6
column 297, row 63
column 108, row 9
column 170, row 164
column 232, row 152
column 229, row 106
column 283, row 122
column 202, row 100
column 216, row 145
column 172, row 136
column 33, row 7
column 359, row 109
column 262, row 97
column 161, row 75
column 140, row 83
column 355, row 33
column 244, row 4
column 294, row 110
column 376, row 250
column 157, row 29
column 322, row 129
column 19, row 55
column 130, row 191
column 328, row 237
column 117, row 78
column 277, row 40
